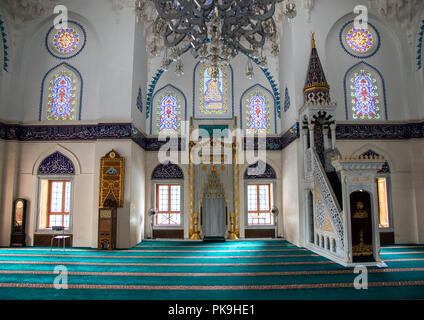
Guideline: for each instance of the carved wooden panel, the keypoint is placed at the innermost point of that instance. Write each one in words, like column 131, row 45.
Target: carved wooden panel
column 112, row 172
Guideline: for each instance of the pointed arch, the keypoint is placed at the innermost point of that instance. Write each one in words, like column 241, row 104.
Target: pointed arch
column 167, row 171
column 175, row 106
column 372, row 82
column 62, row 80
column 255, row 171
column 267, row 115
column 57, row 149
column 377, row 150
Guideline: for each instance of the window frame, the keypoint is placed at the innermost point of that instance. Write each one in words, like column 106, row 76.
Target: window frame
column 154, row 184
column 381, row 90
column 62, row 213
column 386, row 176
column 273, row 185
column 39, row 192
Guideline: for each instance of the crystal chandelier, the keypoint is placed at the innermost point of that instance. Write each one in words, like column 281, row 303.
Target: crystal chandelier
column 215, row 30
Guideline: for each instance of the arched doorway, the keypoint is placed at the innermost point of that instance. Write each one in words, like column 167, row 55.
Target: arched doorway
column 361, row 226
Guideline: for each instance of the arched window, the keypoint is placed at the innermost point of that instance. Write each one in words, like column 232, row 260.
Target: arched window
column 167, row 195
column 365, row 93
column 56, row 187
column 258, row 115
column 168, row 113
column 365, row 97
column 61, row 95
column 169, row 104
column 383, row 194
column 260, row 184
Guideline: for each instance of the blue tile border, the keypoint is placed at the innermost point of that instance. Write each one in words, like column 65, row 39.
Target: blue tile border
column 117, row 131
column 287, row 102
column 382, row 82
column 420, row 47
column 139, row 102
column 127, row 131
column 43, row 83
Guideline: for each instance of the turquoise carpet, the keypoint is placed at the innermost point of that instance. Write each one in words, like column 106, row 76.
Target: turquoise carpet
column 165, row 270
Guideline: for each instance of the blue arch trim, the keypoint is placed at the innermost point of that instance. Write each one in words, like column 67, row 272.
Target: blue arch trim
column 383, row 87
column 274, row 87
column 194, row 95
column 351, row 53
column 167, row 171
column 242, row 109
column 420, row 47
column 71, row 56
column 139, row 102
column 269, row 172
column 43, row 82
column 174, row 88
column 4, row 45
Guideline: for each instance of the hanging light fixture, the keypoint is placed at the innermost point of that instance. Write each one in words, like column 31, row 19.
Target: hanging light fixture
column 215, row 30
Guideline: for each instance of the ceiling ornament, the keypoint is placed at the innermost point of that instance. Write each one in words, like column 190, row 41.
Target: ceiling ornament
column 215, row 31
column 308, row 5
column 24, row 11
column 400, row 12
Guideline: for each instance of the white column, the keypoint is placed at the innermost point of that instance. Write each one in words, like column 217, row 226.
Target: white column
column 326, row 144
column 333, row 135
column 311, row 134
column 305, row 139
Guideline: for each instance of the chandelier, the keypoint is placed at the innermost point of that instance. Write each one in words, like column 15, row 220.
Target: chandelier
column 215, row 31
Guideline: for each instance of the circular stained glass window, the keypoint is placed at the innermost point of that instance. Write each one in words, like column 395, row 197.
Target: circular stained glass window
column 67, row 42
column 360, row 42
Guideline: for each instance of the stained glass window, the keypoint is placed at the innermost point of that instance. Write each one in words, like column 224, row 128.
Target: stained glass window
column 213, row 92
column 168, row 118
column 365, row 98
column 66, row 40
column 62, row 96
column 359, row 40
column 258, row 116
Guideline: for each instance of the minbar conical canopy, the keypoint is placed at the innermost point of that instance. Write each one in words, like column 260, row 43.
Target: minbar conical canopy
column 316, row 90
